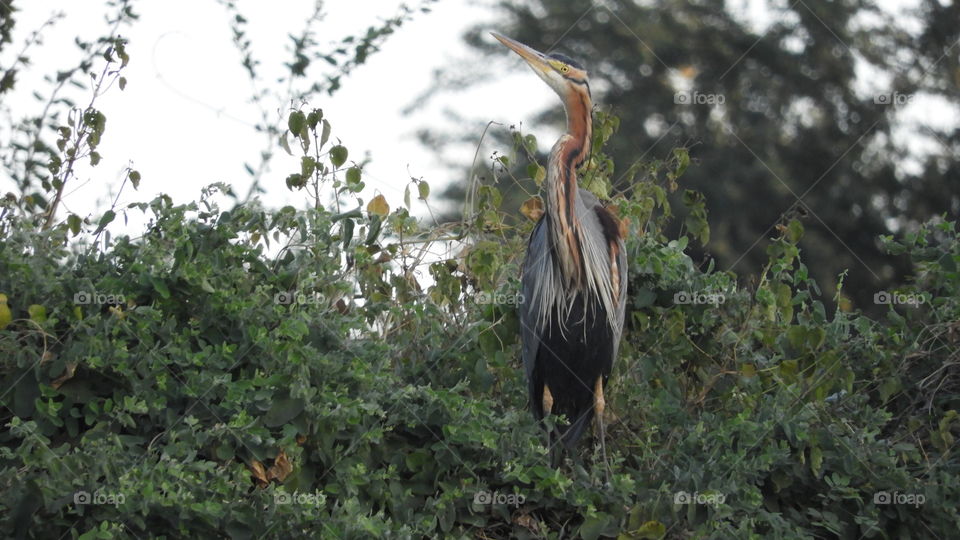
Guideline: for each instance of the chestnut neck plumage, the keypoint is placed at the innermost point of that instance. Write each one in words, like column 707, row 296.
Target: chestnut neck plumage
column 563, row 197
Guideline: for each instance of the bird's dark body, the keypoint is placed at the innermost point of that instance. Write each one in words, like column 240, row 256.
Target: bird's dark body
column 570, row 358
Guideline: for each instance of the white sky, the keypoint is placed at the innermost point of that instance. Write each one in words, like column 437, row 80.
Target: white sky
column 185, row 119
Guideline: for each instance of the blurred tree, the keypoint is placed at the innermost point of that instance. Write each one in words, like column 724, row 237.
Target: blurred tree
column 782, row 110
column 7, row 73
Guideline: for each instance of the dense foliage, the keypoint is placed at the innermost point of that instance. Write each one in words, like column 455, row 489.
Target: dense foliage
column 342, row 370
column 196, row 381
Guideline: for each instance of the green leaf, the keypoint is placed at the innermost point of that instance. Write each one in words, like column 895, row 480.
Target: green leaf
column 794, row 231
column 314, row 117
column 416, row 459
column 815, row 337
column 5, row 314
column 160, row 287
column 530, row 144
column 325, row 133
column 73, row 223
column 683, row 161
column 784, row 299
column 644, row 297
column 816, row 460
column 107, row 218
column 376, row 223
column 788, row 369
column 424, row 189
column 890, row 386
column 283, row 411
column 346, row 231
column 797, row 336
column 353, row 175
column 307, row 166
column 651, row 530
column 532, row 169
column 285, row 144
column 37, row 313
column 224, row 452
column 296, row 122
column 135, row 179
column 55, row 163
column 594, row 526
column 296, row 181
column 338, row 155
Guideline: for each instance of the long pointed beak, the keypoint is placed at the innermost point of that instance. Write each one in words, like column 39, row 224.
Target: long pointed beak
column 536, row 59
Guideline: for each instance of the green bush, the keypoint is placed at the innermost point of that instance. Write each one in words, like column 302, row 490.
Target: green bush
column 344, row 371
column 284, row 373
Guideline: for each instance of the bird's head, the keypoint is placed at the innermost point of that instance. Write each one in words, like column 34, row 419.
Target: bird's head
column 561, row 72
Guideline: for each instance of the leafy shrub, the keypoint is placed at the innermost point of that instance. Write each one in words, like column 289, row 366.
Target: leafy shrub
column 323, row 372
column 282, row 373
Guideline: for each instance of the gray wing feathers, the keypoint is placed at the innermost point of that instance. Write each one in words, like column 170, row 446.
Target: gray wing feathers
column 593, row 228
column 622, row 302
column 536, row 265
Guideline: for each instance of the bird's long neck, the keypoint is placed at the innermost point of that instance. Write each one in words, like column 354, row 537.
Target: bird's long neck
column 563, row 198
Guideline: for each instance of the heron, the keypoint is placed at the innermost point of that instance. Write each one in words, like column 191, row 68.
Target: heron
column 574, row 277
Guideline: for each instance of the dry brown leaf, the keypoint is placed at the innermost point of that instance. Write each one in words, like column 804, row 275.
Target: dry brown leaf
column 623, row 224
column 688, row 71
column 282, row 467
column 67, row 375
column 532, row 208
column 378, row 206
column 527, row 521
column 259, row 474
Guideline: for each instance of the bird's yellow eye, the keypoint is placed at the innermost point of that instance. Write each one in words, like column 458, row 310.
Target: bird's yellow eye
column 560, row 66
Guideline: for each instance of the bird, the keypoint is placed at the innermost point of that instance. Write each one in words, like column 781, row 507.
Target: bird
column 574, row 275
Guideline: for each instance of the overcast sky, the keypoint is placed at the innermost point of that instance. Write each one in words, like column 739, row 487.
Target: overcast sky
column 185, row 118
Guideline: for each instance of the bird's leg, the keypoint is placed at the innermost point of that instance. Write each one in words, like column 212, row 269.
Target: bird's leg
column 547, row 404
column 598, row 405
column 547, row 400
